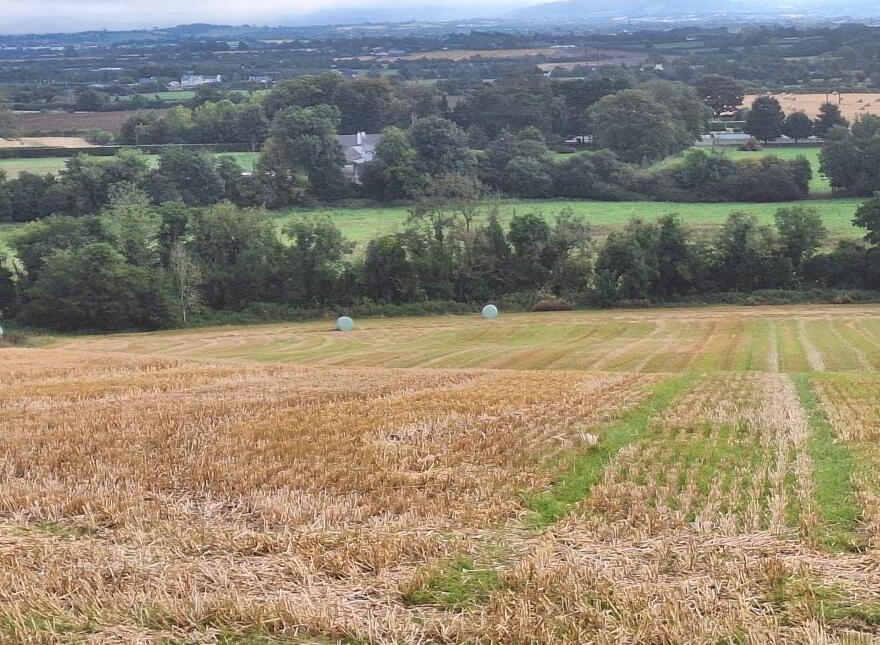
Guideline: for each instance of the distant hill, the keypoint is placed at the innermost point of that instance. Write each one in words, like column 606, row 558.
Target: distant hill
column 591, row 10
column 354, row 16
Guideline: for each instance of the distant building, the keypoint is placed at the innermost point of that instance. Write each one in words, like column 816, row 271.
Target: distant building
column 192, row 80
column 260, row 79
column 358, row 148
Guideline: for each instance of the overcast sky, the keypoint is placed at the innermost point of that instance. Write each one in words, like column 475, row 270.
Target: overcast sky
column 35, row 16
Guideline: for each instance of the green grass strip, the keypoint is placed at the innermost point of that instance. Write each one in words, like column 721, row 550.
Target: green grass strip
column 586, row 469
column 833, row 468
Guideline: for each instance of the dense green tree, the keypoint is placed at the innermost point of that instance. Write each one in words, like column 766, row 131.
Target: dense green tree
column 627, row 264
column 746, row 256
column 801, row 233
column 512, row 103
column 689, row 112
column 441, row 148
column 302, row 141
column 519, row 164
column 94, row 288
column 720, row 93
column 189, row 176
column 797, row 126
column 301, row 92
column 314, row 263
column 868, row 217
column 851, row 159
column 593, row 175
column 90, row 100
column 388, row 275
column 635, row 127
column 579, row 94
column 765, row 119
column 829, row 117
column 238, row 253
column 392, row 174
column 251, row 125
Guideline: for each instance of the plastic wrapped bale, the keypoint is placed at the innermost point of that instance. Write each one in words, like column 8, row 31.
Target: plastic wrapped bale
column 344, row 323
column 490, row 312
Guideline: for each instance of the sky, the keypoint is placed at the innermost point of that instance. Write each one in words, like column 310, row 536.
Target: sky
column 40, row 16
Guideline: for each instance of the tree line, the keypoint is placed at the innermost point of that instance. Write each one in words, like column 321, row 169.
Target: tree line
column 136, row 265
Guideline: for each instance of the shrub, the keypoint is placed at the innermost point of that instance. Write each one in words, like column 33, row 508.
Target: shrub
column 752, row 145
column 556, row 304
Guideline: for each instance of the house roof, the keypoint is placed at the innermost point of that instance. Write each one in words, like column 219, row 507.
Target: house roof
column 346, row 140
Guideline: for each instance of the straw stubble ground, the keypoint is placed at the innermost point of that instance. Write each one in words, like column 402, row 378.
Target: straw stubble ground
column 657, row 492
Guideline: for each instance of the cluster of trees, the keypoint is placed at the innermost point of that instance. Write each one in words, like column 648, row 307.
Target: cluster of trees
column 364, row 104
column 138, row 265
column 522, row 165
column 87, row 184
column 766, row 121
column 850, row 157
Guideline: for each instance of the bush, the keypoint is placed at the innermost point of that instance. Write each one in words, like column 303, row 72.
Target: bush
column 556, row 304
column 13, row 338
column 99, row 137
column 752, row 145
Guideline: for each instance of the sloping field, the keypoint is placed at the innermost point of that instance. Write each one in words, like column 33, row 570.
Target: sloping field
column 675, row 486
column 836, row 338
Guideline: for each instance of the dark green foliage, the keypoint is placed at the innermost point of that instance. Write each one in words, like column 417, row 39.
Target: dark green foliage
column 593, row 175
column 302, row 143
column 188, row 176
column 851, row 160
column 801, row 233
column 441, row 148
column 712, row 177
column 511, row 103
column 94, row 288
column 637, row 127
column 829, row 118
column 720, row 93
column 747, row 258
column 392, row 174
column 797, row 126
column 238, row 252
column 765, row 119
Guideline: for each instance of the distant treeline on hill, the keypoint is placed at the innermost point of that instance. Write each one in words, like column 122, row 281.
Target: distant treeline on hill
column 136, row 265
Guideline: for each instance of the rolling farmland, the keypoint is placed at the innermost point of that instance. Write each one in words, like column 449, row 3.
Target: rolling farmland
column 661, row 476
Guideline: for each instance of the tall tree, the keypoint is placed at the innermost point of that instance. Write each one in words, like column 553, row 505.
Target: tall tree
column 720, row 93
column 441, row 148
column 797, row 126
column 765, row 119
column 635, row 127
column 304, row 140
column 829, row 117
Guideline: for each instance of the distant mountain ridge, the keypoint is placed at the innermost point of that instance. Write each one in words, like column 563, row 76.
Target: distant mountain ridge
column 658, row 9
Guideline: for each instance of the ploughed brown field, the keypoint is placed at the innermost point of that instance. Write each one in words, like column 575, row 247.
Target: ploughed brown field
column 27, row 122
column 678, row 476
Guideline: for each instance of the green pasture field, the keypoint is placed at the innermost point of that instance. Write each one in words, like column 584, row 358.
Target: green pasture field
column 362, row 223
column 43, row 165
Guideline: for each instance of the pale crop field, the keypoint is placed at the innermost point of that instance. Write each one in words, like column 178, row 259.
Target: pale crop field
column 648, row 477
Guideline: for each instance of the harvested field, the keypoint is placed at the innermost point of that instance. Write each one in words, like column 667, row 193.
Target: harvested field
column 27, row 122
column 45, row 142
column 637, row 477
column 836, row 338
column 851, row 105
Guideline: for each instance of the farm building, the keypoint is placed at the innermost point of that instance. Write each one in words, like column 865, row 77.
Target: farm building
column 358, row 148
